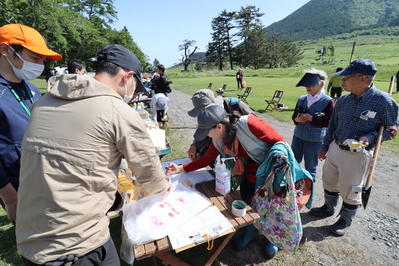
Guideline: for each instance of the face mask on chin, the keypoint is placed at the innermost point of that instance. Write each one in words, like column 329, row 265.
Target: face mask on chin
column 28, row 71
column 127, row 98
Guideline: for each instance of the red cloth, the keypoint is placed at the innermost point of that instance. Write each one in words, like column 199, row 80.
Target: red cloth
column 260, row 128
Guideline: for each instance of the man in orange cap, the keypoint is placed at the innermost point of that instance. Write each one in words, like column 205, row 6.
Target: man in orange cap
column 22, row 54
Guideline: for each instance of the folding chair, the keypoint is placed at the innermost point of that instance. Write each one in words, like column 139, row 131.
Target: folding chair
column 272, row 104
column 221, row 90
column 243, row 97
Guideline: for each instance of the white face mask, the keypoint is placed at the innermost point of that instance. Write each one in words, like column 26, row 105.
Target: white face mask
column 127, row 98
column 28, row 71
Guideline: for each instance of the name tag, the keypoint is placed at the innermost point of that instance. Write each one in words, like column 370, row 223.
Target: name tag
column 368, row 115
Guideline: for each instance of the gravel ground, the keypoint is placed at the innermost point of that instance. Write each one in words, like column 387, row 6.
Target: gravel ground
column 373, row 238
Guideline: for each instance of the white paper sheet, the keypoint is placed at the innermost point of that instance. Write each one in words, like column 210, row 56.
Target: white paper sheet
column 211, row 221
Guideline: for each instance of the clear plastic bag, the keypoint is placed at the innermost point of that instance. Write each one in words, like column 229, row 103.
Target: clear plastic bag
column 153, row 217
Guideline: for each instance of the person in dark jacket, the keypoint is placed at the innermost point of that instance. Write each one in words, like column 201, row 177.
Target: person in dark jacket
column 22, row 54
column 239, row 78
column 311, row 117
column 161, row 83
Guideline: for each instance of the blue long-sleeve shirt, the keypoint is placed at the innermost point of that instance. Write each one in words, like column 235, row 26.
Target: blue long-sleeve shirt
column 13, row 122
column 354, row 117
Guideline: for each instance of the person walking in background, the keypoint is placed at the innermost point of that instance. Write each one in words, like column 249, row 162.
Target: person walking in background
column 239, row 78
column 335, row 84
column 69, row 170
column 356, row 118
column 22, row 54
column 247, row 138
column 311, row 117
column 76, row 67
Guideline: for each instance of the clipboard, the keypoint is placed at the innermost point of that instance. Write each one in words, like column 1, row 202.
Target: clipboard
column 209, row 224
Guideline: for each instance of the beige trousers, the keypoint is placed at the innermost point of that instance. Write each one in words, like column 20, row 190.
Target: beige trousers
column 346, row 172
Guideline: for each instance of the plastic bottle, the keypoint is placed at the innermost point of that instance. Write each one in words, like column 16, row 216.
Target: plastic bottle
column 223, row 176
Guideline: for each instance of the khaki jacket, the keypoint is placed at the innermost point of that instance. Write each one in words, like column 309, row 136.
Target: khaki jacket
column 71, row 154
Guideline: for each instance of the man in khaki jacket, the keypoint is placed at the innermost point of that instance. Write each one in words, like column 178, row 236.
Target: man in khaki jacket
column 70, row 160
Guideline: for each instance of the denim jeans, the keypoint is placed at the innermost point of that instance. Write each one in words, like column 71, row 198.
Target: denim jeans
column 308, row 151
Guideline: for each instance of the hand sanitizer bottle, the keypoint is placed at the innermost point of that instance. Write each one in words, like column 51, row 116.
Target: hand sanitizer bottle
column 223, row 177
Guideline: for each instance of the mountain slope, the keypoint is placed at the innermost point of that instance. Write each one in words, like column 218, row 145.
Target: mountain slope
column 321, row 18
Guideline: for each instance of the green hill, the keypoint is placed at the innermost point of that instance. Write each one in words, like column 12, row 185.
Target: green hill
column 321, row 18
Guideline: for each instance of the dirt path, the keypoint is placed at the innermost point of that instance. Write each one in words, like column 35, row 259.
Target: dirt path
column 373, row 238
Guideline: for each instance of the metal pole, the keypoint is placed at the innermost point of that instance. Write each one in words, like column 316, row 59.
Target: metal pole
column 353, row 49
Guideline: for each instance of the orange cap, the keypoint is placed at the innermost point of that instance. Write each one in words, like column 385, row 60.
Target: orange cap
column 29, row 38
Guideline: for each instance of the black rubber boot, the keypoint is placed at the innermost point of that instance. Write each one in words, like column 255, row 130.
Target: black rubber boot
column 328, row 209
column 344, row 221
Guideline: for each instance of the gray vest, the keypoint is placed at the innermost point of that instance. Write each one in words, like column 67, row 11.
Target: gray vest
column 308, row 132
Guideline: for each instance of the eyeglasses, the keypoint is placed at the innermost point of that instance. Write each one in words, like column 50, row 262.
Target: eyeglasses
column 349, row 76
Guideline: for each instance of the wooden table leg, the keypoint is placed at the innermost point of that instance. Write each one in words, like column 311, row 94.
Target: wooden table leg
column 219, row 249
column 170, row 259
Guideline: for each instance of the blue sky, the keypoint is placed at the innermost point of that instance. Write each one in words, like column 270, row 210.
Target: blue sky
column 160, row 26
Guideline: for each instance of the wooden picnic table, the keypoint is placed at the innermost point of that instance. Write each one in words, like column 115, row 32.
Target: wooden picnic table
column 162, row 248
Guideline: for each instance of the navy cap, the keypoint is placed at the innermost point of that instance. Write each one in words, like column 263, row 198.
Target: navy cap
column 362, row 66
column 151, row 70
column 122, row 57
column 207, row 118
column 309, row 80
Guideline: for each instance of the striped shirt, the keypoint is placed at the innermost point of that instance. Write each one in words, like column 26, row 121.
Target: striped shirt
column 354, row 117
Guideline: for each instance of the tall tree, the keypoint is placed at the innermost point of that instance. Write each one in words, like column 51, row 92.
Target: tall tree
column 216, row 49
column 99, row 11
column 74, row 28
column 257, row 46
column 247, row 18
column 223, row 24
column 282, row 52
column 186, row 57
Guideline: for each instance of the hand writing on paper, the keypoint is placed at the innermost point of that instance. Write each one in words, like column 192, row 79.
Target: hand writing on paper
column 173, row 169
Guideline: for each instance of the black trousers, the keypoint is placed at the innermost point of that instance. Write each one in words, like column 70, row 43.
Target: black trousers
column 104, row 255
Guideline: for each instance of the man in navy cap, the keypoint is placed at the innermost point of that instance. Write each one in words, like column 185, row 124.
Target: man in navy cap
column 71, row 155
column 350, row 140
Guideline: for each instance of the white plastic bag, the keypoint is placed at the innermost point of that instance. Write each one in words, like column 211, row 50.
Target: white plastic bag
column 153, row 217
